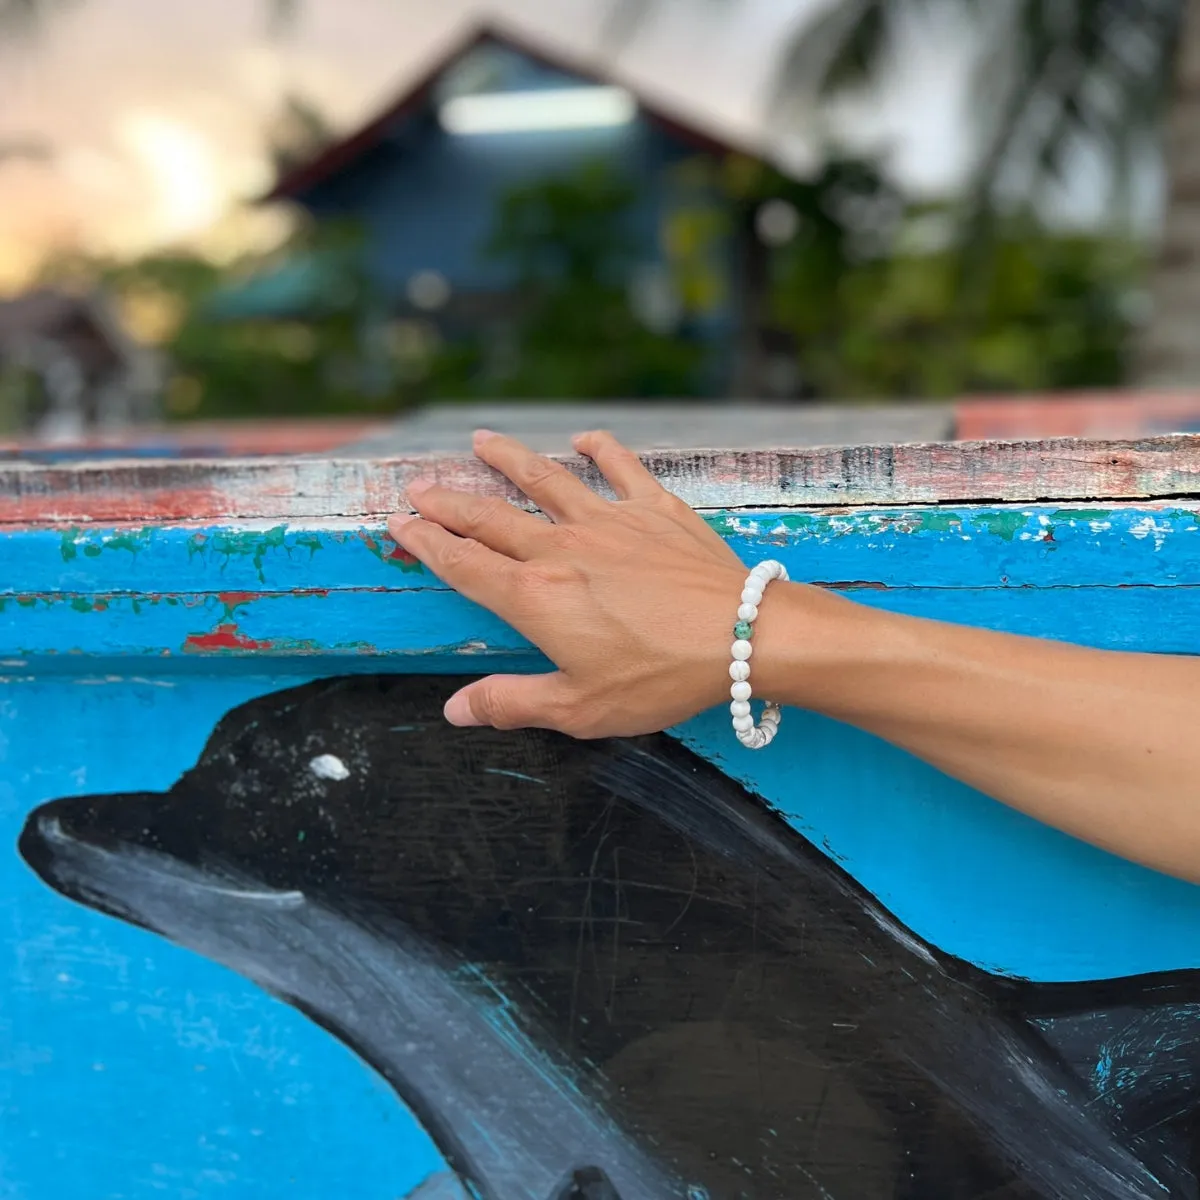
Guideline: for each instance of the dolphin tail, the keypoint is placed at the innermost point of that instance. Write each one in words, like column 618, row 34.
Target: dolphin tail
column 1135, row 1047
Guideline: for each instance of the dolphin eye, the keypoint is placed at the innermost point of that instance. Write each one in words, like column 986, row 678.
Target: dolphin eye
column 329, row 766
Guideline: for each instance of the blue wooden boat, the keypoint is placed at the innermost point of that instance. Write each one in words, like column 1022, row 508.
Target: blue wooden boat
column 268, row 927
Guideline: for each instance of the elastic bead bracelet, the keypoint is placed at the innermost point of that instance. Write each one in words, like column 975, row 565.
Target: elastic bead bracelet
column 753, row 737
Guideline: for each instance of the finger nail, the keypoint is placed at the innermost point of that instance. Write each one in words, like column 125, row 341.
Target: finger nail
column 482, row 435
column 458, row 711
column 578, row 440
column 397, row 519
column 419, row 487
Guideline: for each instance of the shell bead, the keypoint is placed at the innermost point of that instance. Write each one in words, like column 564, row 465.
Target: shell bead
column 752, row 736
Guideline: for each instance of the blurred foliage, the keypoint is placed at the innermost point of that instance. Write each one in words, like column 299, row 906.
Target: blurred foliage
column 876, row 297
column 867, row 293
column 326, row 361
column 574, row 332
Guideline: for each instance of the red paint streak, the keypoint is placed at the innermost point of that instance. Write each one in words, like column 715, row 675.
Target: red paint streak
column 224, row 637
column 395, row 554
column 233, row 600
column 399, row 554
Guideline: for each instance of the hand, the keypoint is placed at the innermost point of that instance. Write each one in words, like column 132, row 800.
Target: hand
column 634, row 600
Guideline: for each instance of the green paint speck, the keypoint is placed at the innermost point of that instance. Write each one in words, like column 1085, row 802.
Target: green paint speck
column 1081, row 514
column 133, row 542
column 1003, row 523
column 253, row 544
column 939, row 520
column 95, row 544
column 300, row 836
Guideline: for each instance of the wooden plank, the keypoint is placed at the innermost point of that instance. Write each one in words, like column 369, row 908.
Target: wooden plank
column 944, row 546
column 296, row 489
column 1122, row 576
column 413, row 626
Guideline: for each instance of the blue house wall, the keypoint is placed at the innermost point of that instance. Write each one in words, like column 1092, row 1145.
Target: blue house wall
column 427, row 199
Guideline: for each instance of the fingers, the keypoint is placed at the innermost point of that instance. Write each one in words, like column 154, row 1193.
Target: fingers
column 551, row 487
column 510, row 702
column 490, row 520
column 619, row 465
column 467, row 565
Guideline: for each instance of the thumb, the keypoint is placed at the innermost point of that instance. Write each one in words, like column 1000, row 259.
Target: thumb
column 509, row 702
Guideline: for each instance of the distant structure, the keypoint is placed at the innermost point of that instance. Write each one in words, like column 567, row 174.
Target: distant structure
column 422, row 181
column 68, row 368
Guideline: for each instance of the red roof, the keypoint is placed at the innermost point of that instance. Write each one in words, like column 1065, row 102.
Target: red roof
column 339, row 155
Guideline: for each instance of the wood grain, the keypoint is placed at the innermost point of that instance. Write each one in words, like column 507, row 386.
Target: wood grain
column 294, row 489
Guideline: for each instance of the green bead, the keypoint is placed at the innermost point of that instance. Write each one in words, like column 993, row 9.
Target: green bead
column 743, row 630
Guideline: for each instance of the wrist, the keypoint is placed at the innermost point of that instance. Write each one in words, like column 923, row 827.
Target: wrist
column 817, row 650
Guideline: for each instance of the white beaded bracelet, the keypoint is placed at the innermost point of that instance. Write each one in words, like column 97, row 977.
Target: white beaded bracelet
column 753, row 737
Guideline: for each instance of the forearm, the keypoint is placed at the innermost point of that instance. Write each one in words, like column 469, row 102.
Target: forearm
column 1103, row 745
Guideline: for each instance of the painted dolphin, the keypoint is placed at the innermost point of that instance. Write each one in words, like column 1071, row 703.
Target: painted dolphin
column 604, row 971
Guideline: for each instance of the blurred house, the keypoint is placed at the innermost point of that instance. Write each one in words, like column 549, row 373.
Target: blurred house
column 422, row 182
column 68, row 367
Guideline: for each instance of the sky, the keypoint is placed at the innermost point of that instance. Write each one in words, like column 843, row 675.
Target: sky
column 156, row 109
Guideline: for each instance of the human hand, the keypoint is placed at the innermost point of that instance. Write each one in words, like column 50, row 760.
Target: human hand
column 633, row 600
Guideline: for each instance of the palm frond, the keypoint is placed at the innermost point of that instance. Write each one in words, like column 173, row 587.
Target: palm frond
column 817, row 53
column 1062, row 72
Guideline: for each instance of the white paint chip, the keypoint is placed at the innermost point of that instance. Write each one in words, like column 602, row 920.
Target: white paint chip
column 329, row 766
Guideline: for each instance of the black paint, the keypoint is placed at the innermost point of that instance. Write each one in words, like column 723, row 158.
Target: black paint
column 735, row 1000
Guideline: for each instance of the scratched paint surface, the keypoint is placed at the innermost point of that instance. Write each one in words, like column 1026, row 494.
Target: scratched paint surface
column 121, row 648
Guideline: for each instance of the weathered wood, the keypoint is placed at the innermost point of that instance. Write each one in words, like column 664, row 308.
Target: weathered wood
column 295, row 489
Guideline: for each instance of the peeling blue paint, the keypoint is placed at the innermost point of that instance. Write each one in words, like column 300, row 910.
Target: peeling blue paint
column 120, row 649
